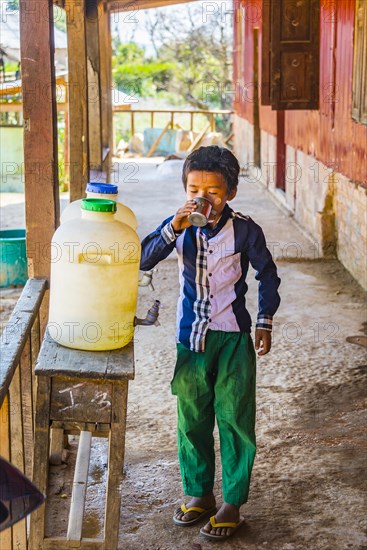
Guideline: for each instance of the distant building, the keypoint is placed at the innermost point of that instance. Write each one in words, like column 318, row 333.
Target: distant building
column 304, row 134
column 10, row 40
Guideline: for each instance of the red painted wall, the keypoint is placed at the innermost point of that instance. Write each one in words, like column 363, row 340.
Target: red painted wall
column 330, row 134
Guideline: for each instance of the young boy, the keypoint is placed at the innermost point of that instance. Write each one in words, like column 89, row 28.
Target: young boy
column 216, row 363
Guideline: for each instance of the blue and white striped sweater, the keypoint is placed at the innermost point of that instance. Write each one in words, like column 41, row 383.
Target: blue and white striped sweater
column 213, row 265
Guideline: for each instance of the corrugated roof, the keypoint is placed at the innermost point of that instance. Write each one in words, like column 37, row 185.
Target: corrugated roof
column 10, row 33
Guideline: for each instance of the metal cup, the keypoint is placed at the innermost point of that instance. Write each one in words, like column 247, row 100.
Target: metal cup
column 201, row 216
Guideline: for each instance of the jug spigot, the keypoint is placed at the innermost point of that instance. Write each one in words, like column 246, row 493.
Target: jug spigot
column 147, row 279
column 152, row 316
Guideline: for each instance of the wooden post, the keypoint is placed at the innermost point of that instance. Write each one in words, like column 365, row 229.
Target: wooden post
column 152, row 119
column 257, row 134
column 212, row 122
column 78, row 98
column 105, row 49
column 191, row 121
column 132, row 124
column 93, row 75
column 40, row 132
column 172, row 120
column 66, row 139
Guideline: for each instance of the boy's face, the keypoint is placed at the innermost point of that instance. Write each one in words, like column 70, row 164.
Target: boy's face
column 211, row 186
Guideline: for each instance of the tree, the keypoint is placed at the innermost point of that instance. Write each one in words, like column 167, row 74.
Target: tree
column 136, row 74
column 201, row 56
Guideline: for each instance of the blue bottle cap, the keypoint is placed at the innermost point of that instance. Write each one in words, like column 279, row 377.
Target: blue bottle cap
column 102, row 188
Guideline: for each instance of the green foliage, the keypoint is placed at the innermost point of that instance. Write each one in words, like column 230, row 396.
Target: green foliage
column 137, row 75
column 63, row 176
column 192, row 62
column 60, row 18
column 13, row 5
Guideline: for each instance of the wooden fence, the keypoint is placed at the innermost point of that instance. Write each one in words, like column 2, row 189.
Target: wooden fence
column 210, row 127
column 20, row 344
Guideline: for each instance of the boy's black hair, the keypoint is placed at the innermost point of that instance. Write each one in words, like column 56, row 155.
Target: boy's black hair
column 213, row 159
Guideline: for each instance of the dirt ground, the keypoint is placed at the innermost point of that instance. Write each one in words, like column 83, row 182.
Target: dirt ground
column 309, row 475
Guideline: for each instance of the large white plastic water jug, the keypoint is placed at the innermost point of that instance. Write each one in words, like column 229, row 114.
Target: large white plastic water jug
column 101, row 191
column 94, row 279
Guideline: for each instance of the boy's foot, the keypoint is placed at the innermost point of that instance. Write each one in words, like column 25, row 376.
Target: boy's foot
column 228, row 513
column 207, row 503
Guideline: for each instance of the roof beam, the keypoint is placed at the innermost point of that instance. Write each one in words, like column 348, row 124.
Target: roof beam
column 135, row 5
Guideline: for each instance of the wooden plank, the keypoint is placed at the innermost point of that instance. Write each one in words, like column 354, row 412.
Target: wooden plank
column 56, row 446
column 184, row 111
column 256, row 106
column 16, row 422
column 27, row 407
column 35, row 347
column 105, row 47
column 61, row 543
column 17, row 448
column 78, row 98
column 157, row 141
column 80, row 400
column 132, row 6
column 17, row 330
column 5, row 428
column 229, row 138
column 359, row 101
column 18, row 107
column 5, row 536
column 94, row 87
column 105, row 153
column 199, row 139
column 118, row 361
column 54, row 360
column 40, row 460
column 74, row 428
column 116, row 455
column 76, row 515
column 40, row 133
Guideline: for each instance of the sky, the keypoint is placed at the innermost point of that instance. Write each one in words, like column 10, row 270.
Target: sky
column 131, row 25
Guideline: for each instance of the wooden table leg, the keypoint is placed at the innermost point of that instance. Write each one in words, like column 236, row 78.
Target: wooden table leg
column 116, row 453
column 40, row 459
column 57, row 446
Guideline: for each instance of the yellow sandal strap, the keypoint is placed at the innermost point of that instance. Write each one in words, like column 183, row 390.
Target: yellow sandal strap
column 192, row 509
column 231, row 524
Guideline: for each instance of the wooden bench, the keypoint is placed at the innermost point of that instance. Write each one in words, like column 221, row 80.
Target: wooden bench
column 84, row 393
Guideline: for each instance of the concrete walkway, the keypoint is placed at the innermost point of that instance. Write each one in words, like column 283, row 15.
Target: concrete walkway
column 307, row 485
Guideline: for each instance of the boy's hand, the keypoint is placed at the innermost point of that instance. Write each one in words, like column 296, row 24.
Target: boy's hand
column 180, row 220
column 262, row 341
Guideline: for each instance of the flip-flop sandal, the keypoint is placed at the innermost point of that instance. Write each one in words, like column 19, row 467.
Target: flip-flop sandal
column 203, row 513
column 233, row 525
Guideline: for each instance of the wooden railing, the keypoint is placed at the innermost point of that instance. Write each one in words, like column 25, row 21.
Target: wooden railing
column 210, row 127
column 20, row 344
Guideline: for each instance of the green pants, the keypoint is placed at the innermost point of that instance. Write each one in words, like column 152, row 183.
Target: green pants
column 217, row 383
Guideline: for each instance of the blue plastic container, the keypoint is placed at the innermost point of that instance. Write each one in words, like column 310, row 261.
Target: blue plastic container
column 13, row 258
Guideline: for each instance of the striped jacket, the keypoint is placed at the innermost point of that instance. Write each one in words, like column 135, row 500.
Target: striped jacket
column 213, row 264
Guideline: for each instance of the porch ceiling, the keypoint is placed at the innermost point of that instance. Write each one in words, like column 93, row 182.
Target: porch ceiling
column 129, row 5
